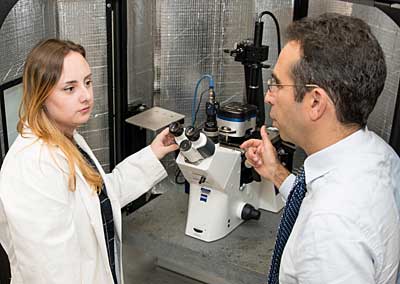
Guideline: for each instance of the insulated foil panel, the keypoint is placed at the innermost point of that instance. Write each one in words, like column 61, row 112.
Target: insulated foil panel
column 189, row 41
column 140, row 50
column 81, row 21
column 388, row 35
column 84, row 22
column 25, row 25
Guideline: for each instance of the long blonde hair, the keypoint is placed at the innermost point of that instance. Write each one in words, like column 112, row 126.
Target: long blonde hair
column 42, row 71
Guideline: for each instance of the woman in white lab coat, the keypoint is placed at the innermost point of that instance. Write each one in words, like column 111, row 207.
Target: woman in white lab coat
column 60, row 214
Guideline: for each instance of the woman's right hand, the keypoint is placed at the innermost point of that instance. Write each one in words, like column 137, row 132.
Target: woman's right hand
column 163, row 144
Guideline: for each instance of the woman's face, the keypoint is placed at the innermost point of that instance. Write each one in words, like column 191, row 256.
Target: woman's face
column 71, row 101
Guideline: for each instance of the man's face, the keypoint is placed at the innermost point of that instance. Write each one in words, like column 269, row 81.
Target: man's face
column 286, row 113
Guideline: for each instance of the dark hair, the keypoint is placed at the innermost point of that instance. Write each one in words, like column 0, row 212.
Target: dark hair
column 341, row 55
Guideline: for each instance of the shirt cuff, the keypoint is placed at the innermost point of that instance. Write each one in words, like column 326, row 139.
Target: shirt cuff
column 286, row 186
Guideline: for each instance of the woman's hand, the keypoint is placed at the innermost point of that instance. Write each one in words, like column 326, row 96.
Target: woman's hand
column 163, row 144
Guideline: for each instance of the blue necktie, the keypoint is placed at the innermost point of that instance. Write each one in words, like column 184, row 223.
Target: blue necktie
column 106, row 216
column 289, row 216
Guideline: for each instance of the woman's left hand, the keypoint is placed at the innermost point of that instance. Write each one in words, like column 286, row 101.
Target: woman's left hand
column 163, row 144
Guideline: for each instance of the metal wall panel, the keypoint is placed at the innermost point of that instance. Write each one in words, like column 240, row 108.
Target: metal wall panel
column 140, row 14
column 187, row 40
column 81, row 21
column 190, row 40
column 28, row 22
column 84, row 22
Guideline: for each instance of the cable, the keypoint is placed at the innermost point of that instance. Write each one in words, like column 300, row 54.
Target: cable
column 198, row 106
column 278, row 33
column 179, row 178
column 211, row 85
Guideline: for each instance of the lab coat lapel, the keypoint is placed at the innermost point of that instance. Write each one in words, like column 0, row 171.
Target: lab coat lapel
column 92, row 204
column 111, row 195
column 90, row 198
column 91, row 201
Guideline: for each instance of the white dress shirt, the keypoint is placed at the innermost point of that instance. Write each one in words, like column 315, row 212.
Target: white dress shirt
column 348, row 227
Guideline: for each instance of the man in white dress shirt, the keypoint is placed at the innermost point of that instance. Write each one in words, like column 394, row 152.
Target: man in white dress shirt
column 325, row 84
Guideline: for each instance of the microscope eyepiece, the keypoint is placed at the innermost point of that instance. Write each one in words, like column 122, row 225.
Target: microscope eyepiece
column 176, row 129
column 192, row 133
column 185, row 145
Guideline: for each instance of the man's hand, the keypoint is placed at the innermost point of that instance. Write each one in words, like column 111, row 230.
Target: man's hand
column 163, row 144
column 261, row 154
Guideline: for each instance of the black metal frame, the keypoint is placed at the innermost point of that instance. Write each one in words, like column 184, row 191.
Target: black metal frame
column 116, row 18
column 394, row 140
column 4, row 87
column 5, row 273
column 110, row 79
column 5, row 8
column 300, row 9
column 125, row 139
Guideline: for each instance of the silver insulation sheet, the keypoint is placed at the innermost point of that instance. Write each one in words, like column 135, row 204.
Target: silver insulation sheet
column 140, row 18
column 388, row 35
column 26, row 24
column 84, row 22
column 81, row 21
column 188, row 39
column 171, row 44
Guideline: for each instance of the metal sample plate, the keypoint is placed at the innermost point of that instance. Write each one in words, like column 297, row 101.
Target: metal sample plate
column 155, row 118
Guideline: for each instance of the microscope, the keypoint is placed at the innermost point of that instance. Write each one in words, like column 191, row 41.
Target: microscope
column 225, row 190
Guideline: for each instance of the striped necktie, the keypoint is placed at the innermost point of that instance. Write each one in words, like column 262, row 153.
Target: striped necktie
column 289, row 216
column 106, row 216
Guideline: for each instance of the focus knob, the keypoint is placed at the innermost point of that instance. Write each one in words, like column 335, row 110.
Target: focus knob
column 249, row 212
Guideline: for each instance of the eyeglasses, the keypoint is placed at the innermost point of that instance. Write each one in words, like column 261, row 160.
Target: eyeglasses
column 273, row 86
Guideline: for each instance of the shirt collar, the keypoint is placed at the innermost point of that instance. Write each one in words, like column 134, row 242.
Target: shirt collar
column 321, row 162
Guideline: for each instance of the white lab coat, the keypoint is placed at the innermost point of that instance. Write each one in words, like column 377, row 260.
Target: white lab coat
column 53, row 235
